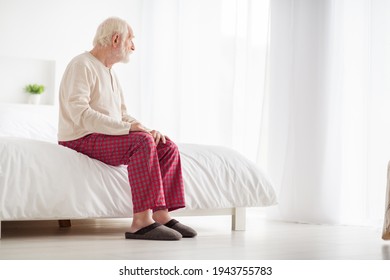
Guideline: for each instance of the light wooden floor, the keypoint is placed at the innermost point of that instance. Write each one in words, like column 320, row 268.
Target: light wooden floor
column 104, row 239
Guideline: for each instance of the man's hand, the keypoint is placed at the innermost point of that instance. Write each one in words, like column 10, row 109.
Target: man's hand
column 136, row 126
column 158, row 136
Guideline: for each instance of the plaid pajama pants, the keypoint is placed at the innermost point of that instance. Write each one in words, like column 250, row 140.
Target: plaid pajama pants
column 154, row 172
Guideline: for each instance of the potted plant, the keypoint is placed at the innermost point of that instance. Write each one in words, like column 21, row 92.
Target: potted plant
column 35, row 91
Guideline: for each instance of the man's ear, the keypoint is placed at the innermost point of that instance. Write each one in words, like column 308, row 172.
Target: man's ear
column 115, row 39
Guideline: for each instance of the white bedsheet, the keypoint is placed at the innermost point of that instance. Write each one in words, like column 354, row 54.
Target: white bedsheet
column 40, row 179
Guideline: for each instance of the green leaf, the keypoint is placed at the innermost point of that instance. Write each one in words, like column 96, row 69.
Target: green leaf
column 35, row 88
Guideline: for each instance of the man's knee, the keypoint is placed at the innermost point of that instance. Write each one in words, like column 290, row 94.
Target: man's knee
column 171, row 145
column 148, row 140
column 142, row 140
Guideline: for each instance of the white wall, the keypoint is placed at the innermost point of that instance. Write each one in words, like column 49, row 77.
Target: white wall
column 16, row 73
column 58, row 30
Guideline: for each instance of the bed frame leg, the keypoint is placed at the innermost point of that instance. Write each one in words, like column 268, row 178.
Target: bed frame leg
column 0, row 229
column 64, row 223
column 239, row 218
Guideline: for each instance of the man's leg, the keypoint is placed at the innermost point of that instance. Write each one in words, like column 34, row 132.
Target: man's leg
column 138, row 151
column 171, row 175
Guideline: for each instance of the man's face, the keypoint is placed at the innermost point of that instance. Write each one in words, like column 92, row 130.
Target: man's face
column 127, row 46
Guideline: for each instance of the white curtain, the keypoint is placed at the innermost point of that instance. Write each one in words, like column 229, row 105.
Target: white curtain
column 303, row 90
column 202, row 70
column 328, row 109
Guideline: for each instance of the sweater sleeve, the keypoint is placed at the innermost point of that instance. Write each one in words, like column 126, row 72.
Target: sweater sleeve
column 78, row 88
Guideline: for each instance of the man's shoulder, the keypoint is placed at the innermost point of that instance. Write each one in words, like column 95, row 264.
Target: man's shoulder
column 82, row 59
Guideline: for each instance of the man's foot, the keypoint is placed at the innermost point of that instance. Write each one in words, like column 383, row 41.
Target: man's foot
column 161, row 216
column 154, row 231
column 141, row 220
column 184, row 230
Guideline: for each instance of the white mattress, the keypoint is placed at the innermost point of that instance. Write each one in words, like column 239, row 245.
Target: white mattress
column 41, row 180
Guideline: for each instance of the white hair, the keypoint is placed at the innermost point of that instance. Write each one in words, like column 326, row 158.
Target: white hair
column 107, row 29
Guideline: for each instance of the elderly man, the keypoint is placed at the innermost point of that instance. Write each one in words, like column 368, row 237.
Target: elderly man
column 93, row 120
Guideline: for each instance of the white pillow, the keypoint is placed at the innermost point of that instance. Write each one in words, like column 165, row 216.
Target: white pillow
column 29, row 121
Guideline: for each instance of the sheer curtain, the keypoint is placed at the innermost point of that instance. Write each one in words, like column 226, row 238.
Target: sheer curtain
column 202, row 70
column 327, row 134
column 303, row 90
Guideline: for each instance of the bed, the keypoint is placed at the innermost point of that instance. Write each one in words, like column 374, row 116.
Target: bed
column 41, row 180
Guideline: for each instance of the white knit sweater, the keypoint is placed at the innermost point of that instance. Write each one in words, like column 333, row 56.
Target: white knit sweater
column 91, row 100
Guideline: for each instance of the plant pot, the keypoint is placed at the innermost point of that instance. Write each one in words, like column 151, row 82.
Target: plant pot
column 34, row 99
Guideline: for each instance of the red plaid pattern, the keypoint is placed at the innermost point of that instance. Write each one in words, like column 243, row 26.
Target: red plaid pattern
column 154, row 172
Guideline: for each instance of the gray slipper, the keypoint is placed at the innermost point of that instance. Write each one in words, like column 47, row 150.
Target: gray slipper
column 154, row 231
column 184, row 230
